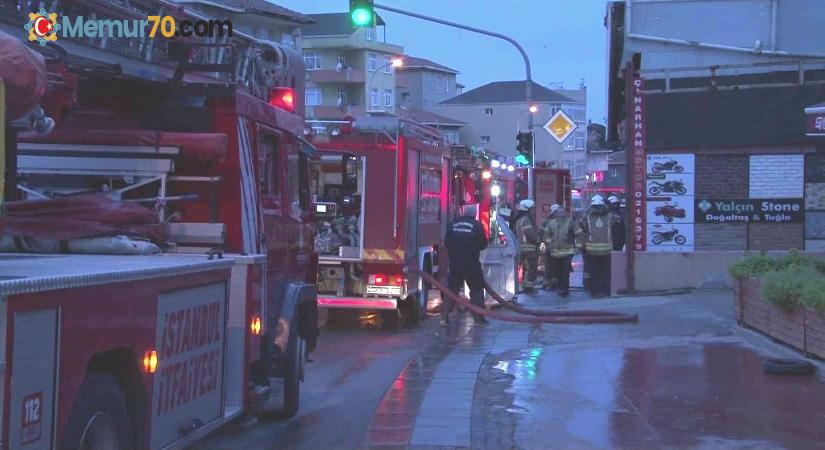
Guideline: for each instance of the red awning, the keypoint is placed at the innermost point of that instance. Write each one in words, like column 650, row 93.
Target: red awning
column 200, row 147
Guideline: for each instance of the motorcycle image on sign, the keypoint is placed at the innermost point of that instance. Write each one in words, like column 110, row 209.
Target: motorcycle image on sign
column 669, row 166
column 670, row 211
column 656, row 188
column 666, row 236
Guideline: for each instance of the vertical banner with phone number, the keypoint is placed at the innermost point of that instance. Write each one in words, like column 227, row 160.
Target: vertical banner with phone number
column 638, row 141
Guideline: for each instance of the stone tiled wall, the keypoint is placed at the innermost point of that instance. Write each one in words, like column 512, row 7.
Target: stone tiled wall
column 815, row 167
column 815, row 196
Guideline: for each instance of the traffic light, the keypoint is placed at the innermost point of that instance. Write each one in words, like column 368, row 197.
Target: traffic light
column 525, row 148
column 361, row 13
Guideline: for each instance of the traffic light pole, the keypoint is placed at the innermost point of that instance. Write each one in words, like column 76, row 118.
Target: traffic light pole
column 529, row 88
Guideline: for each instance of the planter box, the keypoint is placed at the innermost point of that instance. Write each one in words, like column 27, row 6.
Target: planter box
column 801, row 328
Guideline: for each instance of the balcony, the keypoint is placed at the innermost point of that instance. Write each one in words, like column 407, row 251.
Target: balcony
column 334, row 112
column 345, row 76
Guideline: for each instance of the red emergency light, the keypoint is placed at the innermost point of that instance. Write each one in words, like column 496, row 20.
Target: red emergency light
column 284, row 98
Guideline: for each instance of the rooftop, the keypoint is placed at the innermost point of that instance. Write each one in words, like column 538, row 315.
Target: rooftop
column 253, row 6
column 429, row 118
column 506, row 92
column 332, row 24
column 413, row 62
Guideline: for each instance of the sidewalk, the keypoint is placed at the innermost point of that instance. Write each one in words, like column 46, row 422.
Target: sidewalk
column 679, row 379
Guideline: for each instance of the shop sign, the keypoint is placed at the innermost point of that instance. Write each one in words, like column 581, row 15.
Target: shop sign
column 783, row 210
column 638, row 145
column 815, row 124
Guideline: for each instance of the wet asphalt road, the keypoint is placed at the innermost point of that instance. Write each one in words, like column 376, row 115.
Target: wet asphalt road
column 352, row 369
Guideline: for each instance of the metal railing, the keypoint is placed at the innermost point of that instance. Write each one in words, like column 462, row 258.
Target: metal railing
column 735, row 76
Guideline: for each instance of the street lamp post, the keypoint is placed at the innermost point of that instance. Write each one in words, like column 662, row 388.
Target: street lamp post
column 529, row 81
column 395, row 62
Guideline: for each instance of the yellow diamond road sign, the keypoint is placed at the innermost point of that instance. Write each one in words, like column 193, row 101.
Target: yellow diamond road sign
column 560, row 126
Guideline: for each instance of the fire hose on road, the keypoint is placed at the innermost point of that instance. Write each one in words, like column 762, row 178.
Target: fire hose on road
column 527, row 315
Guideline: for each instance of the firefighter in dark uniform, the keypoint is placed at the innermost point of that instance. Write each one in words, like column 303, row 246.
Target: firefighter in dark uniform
column 529, row 238
column 464, row 241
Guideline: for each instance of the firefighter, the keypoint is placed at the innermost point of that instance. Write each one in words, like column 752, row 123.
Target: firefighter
column 529, row 237
column 464, row 241
column 618, row 228
column 596, row 236
column 560, row 241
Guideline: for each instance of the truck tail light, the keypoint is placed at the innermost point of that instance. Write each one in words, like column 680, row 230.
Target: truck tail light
column 150, row 361
column 283, row 98
column 398, row 280
column 255, row 326
column 378, row 279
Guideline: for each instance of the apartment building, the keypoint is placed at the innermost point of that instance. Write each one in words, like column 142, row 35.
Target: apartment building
column 349, row 70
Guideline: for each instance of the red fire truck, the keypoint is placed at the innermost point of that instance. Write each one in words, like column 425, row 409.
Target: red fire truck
column 381, row 188
column 156, row 349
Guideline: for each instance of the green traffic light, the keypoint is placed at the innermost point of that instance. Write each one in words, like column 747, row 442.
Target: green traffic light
column 521, row 159
column 361, row 17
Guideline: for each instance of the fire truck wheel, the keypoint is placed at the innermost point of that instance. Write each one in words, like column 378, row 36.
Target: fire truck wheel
column 292, row 374
column 410, row 311
column 99, row 418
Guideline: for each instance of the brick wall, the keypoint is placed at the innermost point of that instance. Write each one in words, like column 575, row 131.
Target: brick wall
column 722, row 176
column 775, row 236
column 776, row 176
column 722, row 236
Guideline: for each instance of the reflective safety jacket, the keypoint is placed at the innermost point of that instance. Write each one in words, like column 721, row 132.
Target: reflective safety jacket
column 559, row 237
column 527, row 234
column 596, row 234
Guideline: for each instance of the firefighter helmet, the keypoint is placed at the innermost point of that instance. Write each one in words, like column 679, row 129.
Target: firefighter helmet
column 597, row 200
column 526, row 204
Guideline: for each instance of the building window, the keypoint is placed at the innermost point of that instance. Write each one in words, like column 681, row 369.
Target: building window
column 447, row 84
column 438, row 83
column 312, row 61
column 372, row 62
column 614, row 172
column 370, row 32
column 387, row 64
column 488, row 111
column 387, row 97
column 342, row 97
column 578, row 169
column 576, row 112
column 485, row 139
column 451, row 136
column 288, row 40
column 579, row 141
column 374, row 98
column 405, row 98
column 313, row 97
column 340, row 62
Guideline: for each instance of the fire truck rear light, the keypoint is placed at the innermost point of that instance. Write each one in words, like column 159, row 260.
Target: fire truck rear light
column 378, row 279
column 283, row 98
column 255, row 326
column 398, row 280
column 150, row 361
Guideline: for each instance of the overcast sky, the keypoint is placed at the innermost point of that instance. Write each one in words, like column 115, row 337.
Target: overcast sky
column 565, row 39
